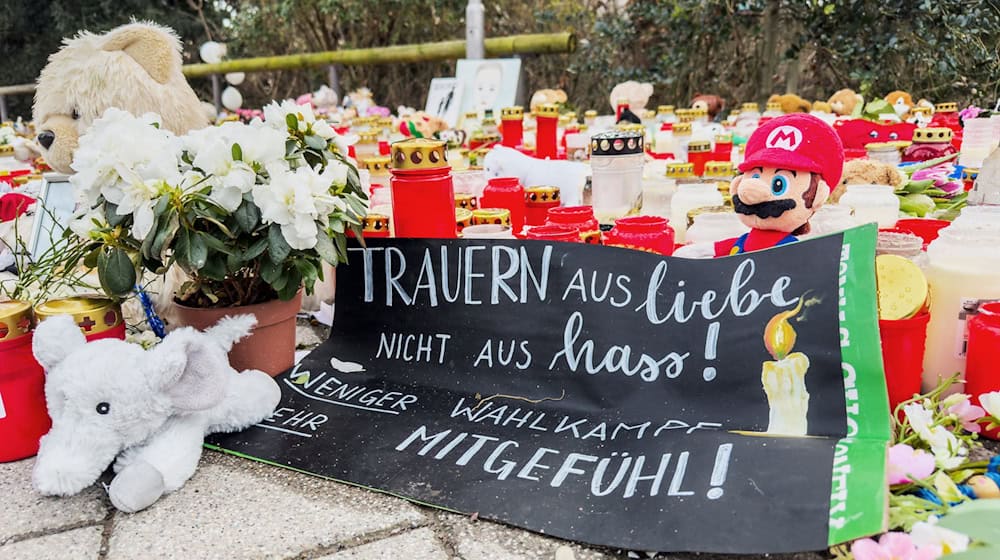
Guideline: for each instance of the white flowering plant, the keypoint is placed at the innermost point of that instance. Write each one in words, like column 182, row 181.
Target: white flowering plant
column 247, row 211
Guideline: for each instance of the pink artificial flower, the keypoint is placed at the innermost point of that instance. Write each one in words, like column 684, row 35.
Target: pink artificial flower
column 969, row 112
column 893, row 546
column 939, row 173
column 968, row 414
column 379, row 111
column 907, row 464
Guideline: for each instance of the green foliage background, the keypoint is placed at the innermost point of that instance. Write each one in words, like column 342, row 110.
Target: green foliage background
column 945, row 50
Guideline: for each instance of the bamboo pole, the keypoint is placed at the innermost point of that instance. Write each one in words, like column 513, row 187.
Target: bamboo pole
column 542, row 43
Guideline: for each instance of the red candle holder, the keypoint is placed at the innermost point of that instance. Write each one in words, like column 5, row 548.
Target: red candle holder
column 22, row 385
column 423, row 197
column 929, row 143
column 554, row 232
column 546, row 128
column 699, row 153
column 506, row 192
column 580, row 218
column 512, row 126
column 539, row 201
column 643, row 233
column 980, row 360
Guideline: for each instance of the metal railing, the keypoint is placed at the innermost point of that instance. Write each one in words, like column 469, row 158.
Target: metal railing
column 542, row 43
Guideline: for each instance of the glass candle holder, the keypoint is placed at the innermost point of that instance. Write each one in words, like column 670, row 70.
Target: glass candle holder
column 616, row 160
column 506, row 192
column 872, row 203
column 688, row 197
column 645, row 233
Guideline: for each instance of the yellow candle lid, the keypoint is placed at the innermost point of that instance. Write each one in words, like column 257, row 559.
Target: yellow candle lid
column 902, row 287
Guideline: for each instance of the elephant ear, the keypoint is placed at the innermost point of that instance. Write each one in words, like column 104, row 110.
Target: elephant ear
column 55, row 339
column 189, row 369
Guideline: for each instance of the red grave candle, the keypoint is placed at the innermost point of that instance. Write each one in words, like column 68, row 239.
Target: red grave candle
column 555, row 233
column 512, row 126
column 539, row 201
column 506, row 192
column 23, row 415
column 645, row 233
column 699, row 153
column 981, row 375
column 423, row 197
column 579, row 217
column 546, row 127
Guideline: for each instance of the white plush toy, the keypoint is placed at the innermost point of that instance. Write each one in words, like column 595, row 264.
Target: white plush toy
column 147, row 410
column 569, row 176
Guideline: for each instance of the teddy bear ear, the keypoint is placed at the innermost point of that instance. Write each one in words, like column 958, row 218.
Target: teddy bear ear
column 155, row 49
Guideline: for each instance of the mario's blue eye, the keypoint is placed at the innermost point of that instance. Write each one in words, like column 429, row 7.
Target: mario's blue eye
column 779, row 185
column 755, row 176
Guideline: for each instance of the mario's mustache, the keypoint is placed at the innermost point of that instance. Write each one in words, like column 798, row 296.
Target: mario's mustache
column 769, row 209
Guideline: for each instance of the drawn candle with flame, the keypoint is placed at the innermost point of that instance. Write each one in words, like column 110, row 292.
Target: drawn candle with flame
column 784, row 378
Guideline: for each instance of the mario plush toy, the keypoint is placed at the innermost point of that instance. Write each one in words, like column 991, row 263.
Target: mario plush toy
column 791, row 163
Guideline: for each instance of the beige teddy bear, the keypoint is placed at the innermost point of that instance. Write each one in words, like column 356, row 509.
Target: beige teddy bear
column 867, row 172
column 135, row 67
column 543, row 96
column 636, row 95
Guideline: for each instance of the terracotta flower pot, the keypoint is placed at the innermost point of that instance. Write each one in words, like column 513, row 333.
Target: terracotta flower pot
column 270, row 346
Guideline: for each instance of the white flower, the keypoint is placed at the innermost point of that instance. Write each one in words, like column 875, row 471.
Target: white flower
column 296, row 200
column 83, row 224
column 927, row 533
column 275, row 114
column 949, row 453
column 323, row 129
column 920, row 418
column 121, row 152
column 7, row 135
column 991, row 402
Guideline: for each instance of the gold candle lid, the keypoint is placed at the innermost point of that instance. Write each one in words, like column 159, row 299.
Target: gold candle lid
column 376, row 223
column 93, row 314
column 463, row 218
column 685, row 116
column 699, row 146
column 498, row 216
column 773, row 106
column 515, row 113
column 751, row 107
column 970, row 173
column 486, row 138
column 921, row 110
column 541, row 194
column 724, row 138
column 699, row 113
column 900, row 144
column 571, row 115
column 734, row 113
column 949, row 107
column 385, row 122
column 16, row 320
column 680, row 170
column 649, row 114
column 466, row 201
column 682, row 128
column 590, row 114
column 880, row 147
column 368, row 137
column 547, row 110
column 932, row 135
column 664, row 109
column 377, row 165
column 720, row 169
column 418, row 153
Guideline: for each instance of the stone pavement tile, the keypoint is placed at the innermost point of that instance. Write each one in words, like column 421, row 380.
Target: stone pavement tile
column 420, row 544
column 77, row 544
column 25, row 511
column 236, row 508
column 485, row 540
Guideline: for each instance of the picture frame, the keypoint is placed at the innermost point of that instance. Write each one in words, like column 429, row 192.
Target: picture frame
column 488, row 84
column 444, row 98
column 53, row 212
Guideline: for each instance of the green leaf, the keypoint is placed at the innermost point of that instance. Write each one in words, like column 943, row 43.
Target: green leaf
column 255, row 250
column 979, row 519
column 214, row 243
column 111, row 214
column 90, row 261
column 215, row 267
column 278, row 248
column 190, row 250
column 270, row 271
column 978, row 553
column 342, row 246
column 237, row 152
column 327, row 251
column 116, row 272
column 308, row 271
column 290, row 285
column 164, row 236
column 247, row 216
column 315, row 142
column 292, row 121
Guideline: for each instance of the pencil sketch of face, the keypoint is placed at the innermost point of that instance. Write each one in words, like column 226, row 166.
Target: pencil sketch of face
column 489, row 78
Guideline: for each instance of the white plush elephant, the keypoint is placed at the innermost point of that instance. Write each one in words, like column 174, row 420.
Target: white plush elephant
column 569, row 176
column 150, row 409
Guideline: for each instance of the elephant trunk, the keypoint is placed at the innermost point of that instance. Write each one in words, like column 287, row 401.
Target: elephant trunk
column 71, row 458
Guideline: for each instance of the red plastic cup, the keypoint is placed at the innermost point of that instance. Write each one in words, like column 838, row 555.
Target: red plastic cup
column 555, row 233
column 903, row 356
column 925, row 228
column 981, row 373
column 647, row 233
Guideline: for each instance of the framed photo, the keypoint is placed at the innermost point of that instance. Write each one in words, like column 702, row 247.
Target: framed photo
column 444, row 98
column 488, row 83
column 52, row 213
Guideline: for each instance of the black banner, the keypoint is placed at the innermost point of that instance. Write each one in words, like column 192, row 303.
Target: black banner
column 597, row 394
